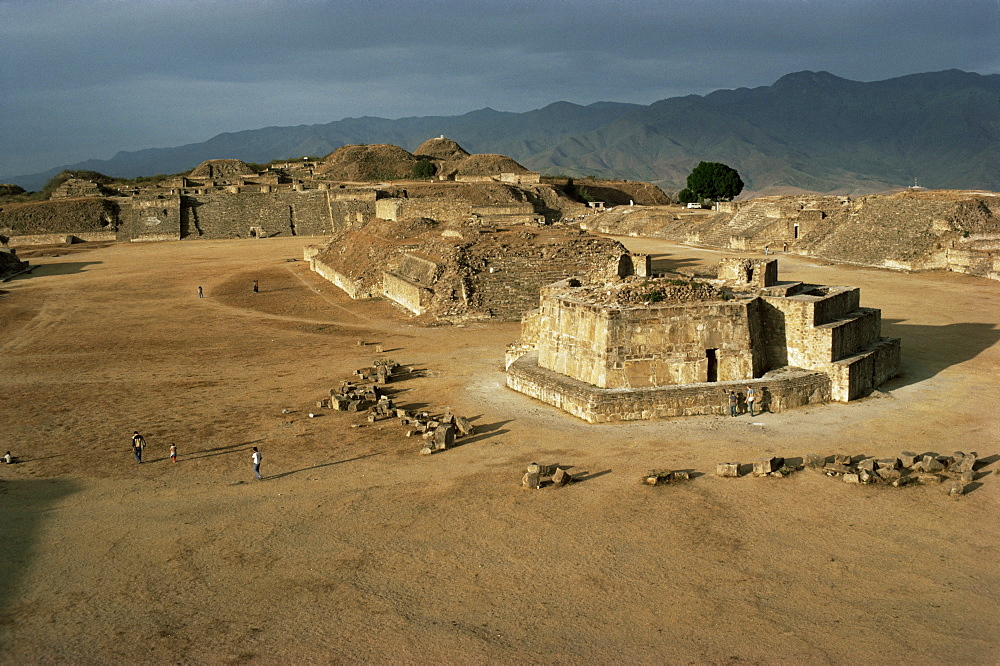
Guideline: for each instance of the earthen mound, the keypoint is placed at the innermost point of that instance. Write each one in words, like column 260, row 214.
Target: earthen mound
column 364, row 163
column 219, row 169
column 488, row 165
column 441, row 148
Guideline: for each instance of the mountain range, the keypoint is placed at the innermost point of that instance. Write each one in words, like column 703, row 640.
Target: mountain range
column 808, row 131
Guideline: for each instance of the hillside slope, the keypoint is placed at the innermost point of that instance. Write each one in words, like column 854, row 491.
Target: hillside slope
column 809, row 131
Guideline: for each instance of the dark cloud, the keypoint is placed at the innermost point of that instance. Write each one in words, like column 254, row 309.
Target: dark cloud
column 86, row 78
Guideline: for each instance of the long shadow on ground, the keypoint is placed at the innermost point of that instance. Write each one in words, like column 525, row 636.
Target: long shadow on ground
column 23, row 505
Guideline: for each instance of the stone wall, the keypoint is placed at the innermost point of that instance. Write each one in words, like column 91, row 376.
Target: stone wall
column 150, row 218
column 65, row 216
column 780, row 391
column 352, row 286
column 408, row 293
column 440, row 209
column 228, row 215
column 643, row 347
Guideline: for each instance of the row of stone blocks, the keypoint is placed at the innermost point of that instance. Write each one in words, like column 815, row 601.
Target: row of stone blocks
column 908, row 467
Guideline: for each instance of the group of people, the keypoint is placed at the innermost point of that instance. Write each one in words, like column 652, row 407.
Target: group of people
column 734, row 401
column 139, row 445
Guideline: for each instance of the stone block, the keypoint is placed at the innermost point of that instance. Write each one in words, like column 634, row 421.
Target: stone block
column 929, row 479
column 561, row 478
column 867, row 476
column 532, row 479
column 888, row 473
column 682, row 476
column 957, row 488
column 967, row 477
column 402, row 413
column 353, row 405
column 931, row 465
column 851, row 478
column 444, row 437
column 867, row 465
column 767, row 465
column 838, row 468
column 655, row 477
column 888, row 463
column 966, row 464
column 907, row 459
column 815, row 460
column 841, row 459
column 426, row 451
column 464, row 427
column 728, row 469
column 547, row 470
column 901, row 481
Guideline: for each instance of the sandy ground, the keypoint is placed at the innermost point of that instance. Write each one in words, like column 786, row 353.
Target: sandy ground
column 355, row 548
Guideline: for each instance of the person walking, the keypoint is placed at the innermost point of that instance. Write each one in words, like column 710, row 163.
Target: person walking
column 138, row 444
column 733, row 402
column 201, row 292
column 256, row 463
column 173, row 453
column 256, row 286
column 751, row 398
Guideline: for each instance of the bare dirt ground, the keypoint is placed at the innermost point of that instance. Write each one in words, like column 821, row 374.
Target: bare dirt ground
column 355, row 548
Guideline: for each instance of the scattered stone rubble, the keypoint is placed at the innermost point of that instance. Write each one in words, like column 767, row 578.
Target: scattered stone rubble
column 660, row 477
column 956, row 472
column 367, row 394
column 541, row 476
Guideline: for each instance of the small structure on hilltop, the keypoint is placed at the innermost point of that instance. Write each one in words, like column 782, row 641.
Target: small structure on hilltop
column 652, row 348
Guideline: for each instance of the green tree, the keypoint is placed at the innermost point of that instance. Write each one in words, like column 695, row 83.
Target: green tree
column 686, row 196
column 424, row 169
column 715, row 181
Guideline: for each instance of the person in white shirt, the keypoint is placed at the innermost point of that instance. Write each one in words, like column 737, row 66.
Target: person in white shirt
column 256, row 463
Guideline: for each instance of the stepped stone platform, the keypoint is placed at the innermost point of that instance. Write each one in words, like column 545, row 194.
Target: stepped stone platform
column 651, row 348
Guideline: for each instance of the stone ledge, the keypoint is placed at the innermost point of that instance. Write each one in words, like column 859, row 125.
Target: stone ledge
column 781, row 390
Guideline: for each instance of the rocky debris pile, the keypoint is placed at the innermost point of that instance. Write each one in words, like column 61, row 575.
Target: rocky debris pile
column 772, row 466
column 542, row 476
column 659, row 477
column 958, row 469
column 439, row 433
column 368, row 394
column 650, row 291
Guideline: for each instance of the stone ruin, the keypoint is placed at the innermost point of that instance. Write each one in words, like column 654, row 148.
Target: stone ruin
column 464, row 269
column 368, row 394
column 645, row 348
column 958, row 469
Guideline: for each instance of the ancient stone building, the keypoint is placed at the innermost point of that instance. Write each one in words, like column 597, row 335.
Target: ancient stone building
column 462, row 270
column 650, row 348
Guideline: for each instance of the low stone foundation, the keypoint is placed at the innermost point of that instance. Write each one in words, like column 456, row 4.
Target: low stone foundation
column 780, row 390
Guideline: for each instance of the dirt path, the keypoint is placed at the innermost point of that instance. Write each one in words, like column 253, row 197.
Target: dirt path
column 356, row 548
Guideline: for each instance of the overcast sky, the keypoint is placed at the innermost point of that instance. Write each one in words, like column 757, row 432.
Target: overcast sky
column 84, row 79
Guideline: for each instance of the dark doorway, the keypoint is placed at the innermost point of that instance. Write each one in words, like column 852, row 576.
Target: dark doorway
column 796, row 230
column 713, row 365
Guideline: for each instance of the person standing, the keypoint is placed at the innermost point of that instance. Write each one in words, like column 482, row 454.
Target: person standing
column 201, row 292
column 256, row 286
column 138, row 444
column 256, row 463
column 733, row 402
column 751, row 398
column 173, row 452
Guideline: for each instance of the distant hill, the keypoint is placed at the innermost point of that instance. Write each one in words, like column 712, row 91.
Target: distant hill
column 808, row 131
